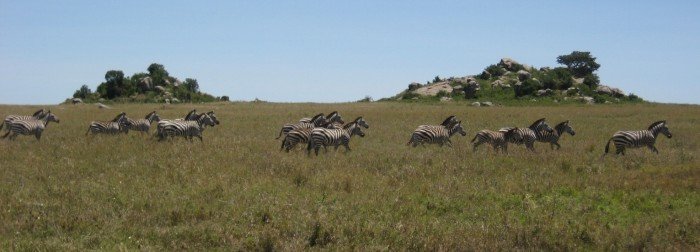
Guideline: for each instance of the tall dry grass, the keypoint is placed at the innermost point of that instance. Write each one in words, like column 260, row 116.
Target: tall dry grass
column 238, row 191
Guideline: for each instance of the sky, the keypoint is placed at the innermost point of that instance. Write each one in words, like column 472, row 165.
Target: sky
column 338, row 51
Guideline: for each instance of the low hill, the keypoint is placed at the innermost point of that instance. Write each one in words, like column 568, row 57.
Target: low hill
column 511, row 82
column 155, row 86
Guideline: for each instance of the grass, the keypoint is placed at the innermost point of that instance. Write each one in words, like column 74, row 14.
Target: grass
column 238, row 191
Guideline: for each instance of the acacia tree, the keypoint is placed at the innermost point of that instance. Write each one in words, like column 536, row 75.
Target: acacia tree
column 579, row 63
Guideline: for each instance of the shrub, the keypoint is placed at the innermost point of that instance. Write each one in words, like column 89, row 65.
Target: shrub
column 495, row 71
column 527, row 87
column 591, row 80
column 558, row 79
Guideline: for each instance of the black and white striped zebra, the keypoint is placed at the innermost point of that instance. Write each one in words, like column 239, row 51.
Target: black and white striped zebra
column 448, row 122
column 143, row 125
column 639, row 138
column 317, row 121
column 8, row 119
column 333, row 137
column 188, row 117
column 186, row 129
column 435, row 134
column 529, row 135
column 300, row 136
column 553, row 137
column 497, row 139
column 120, row 124
column 333, row 117
column 30, row 126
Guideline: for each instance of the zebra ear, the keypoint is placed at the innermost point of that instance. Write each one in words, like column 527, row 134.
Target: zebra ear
column 567, row 122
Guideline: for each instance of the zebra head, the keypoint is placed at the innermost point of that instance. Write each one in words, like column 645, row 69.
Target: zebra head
column 457, row 128
column 205, row 120
column 213, row 117
column 119, row 117
column 124, row 123
column 541, row 125
column 660, row 127
column 50, row 117
column 564, row 127
column 39, row 114
column 153, row 117
column 361, row 121
column 319, row 120
column 191, row 116
column 356, row 130
column 334, row 117
column 449, row 121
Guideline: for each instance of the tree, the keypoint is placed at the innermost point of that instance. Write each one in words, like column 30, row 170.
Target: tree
column 437, row 79
column 591, row 80
column 579, row 63
column 114, row 84
column 191, row 85
column 158, row 74
column 83, row 92
column 557, row 78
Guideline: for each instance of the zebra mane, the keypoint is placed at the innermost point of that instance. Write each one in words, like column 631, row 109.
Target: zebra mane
column 150, row 114
column 538, row 122
column 38, row 112
column 190, row 114
column 448, row 121
column 313, row 119
column 561, row 124
column 119, row 116
column 331, row 115
column 656, row 124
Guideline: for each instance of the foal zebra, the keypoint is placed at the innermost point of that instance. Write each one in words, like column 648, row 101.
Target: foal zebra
column 186, row 129
column 316, row 121
column 553, row 137
column 143, row 125
column 529, row 135
column 30, row 126
column 439, row 134
column 8, row 119
column 120, row 124
column 497, row 139
column 333, row 137
column 298, row 136
column 639, row 138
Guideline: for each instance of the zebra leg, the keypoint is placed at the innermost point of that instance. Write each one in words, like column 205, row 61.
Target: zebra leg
column 530, row 146
column 38, row 136
column 449, row 143
column 347, row 147
column 653, row 148
column 619, row 150
column 200, row 138
column 558, row 146
column 8, row 132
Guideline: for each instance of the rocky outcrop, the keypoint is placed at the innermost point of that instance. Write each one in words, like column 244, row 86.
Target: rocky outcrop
column 615, row 92
column 524, row 75
column 544, row 92
column 432, row 90
column 145, row 83
column 508, row 63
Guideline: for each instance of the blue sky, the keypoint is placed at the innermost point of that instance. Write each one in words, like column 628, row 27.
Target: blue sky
column 334, row 51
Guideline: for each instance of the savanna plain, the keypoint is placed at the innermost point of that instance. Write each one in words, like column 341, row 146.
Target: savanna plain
column 237, row 191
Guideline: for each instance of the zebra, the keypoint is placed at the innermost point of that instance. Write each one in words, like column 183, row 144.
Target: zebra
column 120, row 124
column 189, row 117
column 330, row 117
column 30, row 126
column 316, row 121
column 529, row 135
column 335, row 137
column 187, row 129
column 439, row 134
column 143, row 125
column 8, row 119
column 298, row 136
column 553, row 137
column 448, row 122
column 639, row 138
column 497, row 139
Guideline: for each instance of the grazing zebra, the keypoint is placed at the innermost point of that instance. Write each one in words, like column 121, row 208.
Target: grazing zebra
column 497, row 139
column 189, row 117
column 435, row 134
column 553, row 137
column 30, row 126
column 332, row 117
column 448, row 122
column 298, row 136
column 186, row 129
column 639, row 138
column 333, row 137
column 529, row 135
column 143, row 125
column 316, row 121
column 8, row 119
column 120, row 124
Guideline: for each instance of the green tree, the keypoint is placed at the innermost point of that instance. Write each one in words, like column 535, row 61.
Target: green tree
column 557, row 78
column 191, row 85
column 437, row 79
column 158, row 74
column 579, row 63
column 591, row 80
column 114, row 84
column 83, row 92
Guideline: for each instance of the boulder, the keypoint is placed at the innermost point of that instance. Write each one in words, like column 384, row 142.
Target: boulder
column 476, row 104
column 102, row 106
column 603, row 89
column 544, row 92
column 167, row 94
column 524, row 75
column 471, row 89
column 545, row 69
column 160, row 89
column 167, row 101
column 487, row 104
column 445, row 99
column 499, row 84
column 76, row 100
column 485, row 74
column 572, row 91
column 174, row 100
column 145, row 83
column 577, row 81
column 586, row 99
column 508, row 64
column 432, row 90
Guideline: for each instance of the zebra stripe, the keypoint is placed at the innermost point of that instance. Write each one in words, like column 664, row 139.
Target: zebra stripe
column 186, row 129
column 30, row 126
column 553, row 137
column 529, row 135
column 448, row 122
column 639, row 138
column 119, row 124
column 301, row 136
column 432, row 134
column 497, row 139
column 8, row 119
column 316, row 121
column 333, row 137
column 144, row 124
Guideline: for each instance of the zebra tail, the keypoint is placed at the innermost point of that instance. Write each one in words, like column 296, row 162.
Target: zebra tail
column 6, row 134
column 474, row 139
column 607, row 146
column 282, row 130
column 284, row 141
column 2, row 124
column 309, row 146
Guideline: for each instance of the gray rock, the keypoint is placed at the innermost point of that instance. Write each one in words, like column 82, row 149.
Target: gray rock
column 174, row 100
column 145, row 83
column 544, row 92
column 572, row 91
column 434, row 89
column 508, row 63
column 445, row 99
column 76, row 100
column 102, row 106
column 476, row 104
column 524, row 75
column 160, row 89
column 545, row 69
column 487, row 104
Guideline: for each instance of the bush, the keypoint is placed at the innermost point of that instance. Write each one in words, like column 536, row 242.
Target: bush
column 591, row 80
column 527, row 87
column 495, row 71
column 443, row 93
column 224, row 98
column 557, row 79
